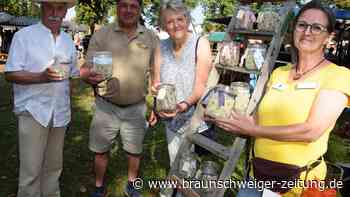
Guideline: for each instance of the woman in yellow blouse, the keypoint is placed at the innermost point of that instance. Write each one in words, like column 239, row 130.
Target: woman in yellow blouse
column 301, row 104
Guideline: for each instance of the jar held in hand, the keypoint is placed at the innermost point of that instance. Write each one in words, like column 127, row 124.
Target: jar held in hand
column 166, row 98
column 241, row 90
column 61, row 67
column 103, row 63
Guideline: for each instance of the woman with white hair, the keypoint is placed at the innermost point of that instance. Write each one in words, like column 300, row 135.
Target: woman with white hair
column 183, row 60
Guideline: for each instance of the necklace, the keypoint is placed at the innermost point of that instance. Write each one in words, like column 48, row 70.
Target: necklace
column 299, row 75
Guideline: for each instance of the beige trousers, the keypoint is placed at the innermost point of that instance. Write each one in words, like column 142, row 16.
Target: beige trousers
column 41, row 158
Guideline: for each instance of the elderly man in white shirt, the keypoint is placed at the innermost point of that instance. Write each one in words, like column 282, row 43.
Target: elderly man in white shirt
column 40, row 61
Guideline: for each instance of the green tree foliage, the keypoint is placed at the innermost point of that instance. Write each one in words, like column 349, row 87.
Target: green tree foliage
column 152, row 7
column 216, row 9
column 19, row 7
column 92, row 12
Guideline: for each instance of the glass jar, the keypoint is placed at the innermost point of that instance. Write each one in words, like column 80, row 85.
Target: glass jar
column 220, row 102
column 209, row 172
column 229, row 54
column 268, row 18
column 61, row 67
column 188, row 165
column 245, row 18
column 166, row 98
column 241, row 90
column 254, row 56
column 103, row 63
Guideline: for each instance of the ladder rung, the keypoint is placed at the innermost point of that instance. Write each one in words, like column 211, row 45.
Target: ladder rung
column 212, row 146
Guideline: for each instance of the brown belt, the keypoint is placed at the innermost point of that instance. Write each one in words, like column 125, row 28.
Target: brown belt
column 120, row 105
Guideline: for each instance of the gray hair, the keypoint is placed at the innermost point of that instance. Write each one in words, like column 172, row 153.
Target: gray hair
column 174, row 5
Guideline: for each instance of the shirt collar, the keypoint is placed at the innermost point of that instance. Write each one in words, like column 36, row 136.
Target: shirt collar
column 140, row 28
column 43, row 27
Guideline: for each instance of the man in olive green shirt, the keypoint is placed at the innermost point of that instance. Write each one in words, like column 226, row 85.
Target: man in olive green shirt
column 120, row 100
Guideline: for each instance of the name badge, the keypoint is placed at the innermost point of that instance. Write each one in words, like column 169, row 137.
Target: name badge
column 279, row 86
column 307, row 85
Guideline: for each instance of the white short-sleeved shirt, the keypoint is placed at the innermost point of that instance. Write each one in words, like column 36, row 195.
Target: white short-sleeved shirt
column 33, row 49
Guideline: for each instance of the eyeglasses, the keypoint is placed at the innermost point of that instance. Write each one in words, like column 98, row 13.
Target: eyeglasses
column 315, row 28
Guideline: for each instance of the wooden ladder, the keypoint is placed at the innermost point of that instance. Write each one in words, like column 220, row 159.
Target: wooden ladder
column 231, row 154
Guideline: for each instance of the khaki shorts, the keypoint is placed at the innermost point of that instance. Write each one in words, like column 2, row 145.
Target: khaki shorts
column 110, row 120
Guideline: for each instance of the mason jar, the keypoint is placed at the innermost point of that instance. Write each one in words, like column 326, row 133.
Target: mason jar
column 103, row 63
column 268, row 18
column 166, row 98
column 61, row 67
column 241, row 90
column 188, row 165
column 230, row 54
column 209, row 172
column 255, row 56
column 220, row 102
column 245, row 18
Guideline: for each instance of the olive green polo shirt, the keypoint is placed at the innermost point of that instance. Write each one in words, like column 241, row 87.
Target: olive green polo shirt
column 132, row 61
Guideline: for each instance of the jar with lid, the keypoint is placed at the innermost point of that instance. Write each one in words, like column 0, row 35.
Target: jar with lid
column 229, row 53
column 166, row 98
column 188, row 165
column 241, row 90
column 208, row 172
column 103, row 63
column 268, row 17
column 220, row 102
column 254, row 56
column 245, row 18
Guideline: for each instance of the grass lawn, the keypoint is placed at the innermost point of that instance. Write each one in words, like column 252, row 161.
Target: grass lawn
column 77, row 178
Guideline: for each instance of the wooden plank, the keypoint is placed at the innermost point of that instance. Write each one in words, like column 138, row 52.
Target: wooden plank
column 230, row 165
column 256, row 33
column 269, row 63
column 210, row 145
column 237, row 69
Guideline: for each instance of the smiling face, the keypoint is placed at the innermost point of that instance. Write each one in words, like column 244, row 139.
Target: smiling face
column 53, row 14
column 128, row 12
column 306, row 40
column 175, row 23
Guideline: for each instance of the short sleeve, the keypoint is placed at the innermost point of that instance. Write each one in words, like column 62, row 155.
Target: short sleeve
column 339, row 79
column 17, row 55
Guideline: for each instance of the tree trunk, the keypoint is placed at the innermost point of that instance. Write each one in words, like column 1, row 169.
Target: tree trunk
column 92, row 28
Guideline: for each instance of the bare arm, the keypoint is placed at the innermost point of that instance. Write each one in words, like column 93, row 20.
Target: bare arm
column 325, row 110
column 155, row 76
column 203, row 67
column 26, row 78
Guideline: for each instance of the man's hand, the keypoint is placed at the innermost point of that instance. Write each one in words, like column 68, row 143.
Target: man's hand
column 90, row 76
column 152, row 119
column 51, row 75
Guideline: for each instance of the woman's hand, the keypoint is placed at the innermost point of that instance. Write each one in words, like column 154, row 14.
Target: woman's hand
column 167, row 114
column 155, row 88
column 237, row 123
column 182, row 106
